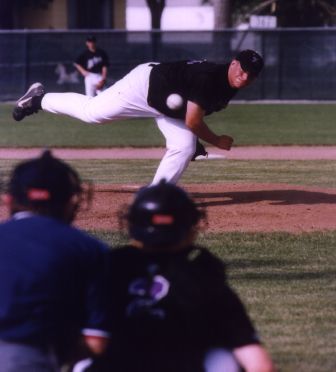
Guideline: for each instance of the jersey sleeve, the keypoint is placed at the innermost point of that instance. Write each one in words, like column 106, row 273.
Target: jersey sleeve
column 228, row 325
column 234, row 321
column 97, row 316
column 105, row 59
column 81, row 60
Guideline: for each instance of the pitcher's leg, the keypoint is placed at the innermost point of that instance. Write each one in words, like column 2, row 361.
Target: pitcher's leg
column 180, row 143
column 127, row 98
column 105, row 107
column 71, row 104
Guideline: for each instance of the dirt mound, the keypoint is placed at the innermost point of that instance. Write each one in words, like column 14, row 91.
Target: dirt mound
column 233, row 207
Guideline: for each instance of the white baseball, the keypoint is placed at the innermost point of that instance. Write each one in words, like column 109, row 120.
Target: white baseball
column 174, row 101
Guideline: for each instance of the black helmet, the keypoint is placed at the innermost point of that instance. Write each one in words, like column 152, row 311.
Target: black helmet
column 161, row 215
column 44, row 183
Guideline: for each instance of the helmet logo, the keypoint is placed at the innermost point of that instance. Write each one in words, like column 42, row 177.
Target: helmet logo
column 162, row 219
column 38, row 194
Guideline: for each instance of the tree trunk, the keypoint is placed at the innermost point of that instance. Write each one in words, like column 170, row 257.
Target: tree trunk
column 156, row 8
column 222, row 10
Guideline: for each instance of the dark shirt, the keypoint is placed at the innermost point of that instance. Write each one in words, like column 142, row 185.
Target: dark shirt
column 204, row 83
column 93, row 61
column 168, row 309
column 51, row 277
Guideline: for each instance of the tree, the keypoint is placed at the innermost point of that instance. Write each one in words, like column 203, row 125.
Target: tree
column 222, row 11
column 311, row 13
column 156, row 8
column 294, row 13
column 9, row 9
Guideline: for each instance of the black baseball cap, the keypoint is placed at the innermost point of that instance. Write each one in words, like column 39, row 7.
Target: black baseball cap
column 45, row 179
column 91, row 38
column 250, row 61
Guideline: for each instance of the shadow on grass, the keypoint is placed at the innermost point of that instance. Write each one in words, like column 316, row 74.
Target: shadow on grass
column 276, row 270
column 284, row 276
column 276, row 197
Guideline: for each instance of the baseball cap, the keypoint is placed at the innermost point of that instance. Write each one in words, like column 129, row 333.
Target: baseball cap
column 43, row 180
column 250, row 61
column 91, row 38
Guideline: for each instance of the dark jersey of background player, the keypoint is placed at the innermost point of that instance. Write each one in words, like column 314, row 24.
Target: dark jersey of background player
column 168, row 309
column 204, row 83
column 93, row 61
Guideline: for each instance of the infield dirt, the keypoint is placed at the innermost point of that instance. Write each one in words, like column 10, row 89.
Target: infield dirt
column 247, row 207
column 232, row 207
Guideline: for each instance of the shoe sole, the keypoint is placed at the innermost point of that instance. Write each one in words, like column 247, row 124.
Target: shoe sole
column 39, row 90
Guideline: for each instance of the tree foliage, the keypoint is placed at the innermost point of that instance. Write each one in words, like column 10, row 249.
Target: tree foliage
column 291, row 13
column 9, row 9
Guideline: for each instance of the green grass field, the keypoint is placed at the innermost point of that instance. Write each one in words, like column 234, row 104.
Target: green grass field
column 249, row 124
column 287, row 281
column 288, row 285
column 320, row 173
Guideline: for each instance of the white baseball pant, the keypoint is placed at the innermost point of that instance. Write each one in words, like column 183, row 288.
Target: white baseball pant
column 127, row 98
column 90, row 81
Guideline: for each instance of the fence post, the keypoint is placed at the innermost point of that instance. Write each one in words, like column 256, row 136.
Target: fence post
column 26, row 59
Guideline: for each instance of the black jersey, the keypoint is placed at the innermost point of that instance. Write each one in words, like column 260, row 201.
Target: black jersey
column 202, row 82
column 168, row 309
column 93, row 61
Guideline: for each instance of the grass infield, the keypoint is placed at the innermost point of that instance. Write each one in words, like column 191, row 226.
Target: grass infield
column 287, row 283
column 319, row 173
column 249, row 124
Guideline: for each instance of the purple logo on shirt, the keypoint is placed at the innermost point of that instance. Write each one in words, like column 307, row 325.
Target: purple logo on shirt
column 147, row 292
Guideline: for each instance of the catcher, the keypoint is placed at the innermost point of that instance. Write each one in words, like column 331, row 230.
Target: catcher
column 171, row 306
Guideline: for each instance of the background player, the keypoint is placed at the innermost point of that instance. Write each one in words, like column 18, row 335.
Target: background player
column 171, row 307
column 92, row 64
column 51, row 274
column 205, row 87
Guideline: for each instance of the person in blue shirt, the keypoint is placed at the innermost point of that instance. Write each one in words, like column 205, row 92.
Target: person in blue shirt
column 52, row 275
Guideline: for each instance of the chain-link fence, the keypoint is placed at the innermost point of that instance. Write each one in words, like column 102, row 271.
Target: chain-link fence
column 300, row 64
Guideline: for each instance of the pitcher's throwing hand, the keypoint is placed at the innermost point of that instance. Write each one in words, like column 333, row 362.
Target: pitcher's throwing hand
column 225, row 142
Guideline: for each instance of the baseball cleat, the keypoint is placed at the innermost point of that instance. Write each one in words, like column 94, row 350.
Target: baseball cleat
column 30, row 102
column 200, row 151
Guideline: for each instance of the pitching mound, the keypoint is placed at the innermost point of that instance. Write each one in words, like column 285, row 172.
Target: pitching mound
column 232, row 207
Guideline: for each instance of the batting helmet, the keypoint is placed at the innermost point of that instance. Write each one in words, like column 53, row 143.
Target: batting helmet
column 44, row 184
column 161, row 215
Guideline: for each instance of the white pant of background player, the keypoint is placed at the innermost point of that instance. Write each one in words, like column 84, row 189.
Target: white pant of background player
column 127, row 98
column 90, row 81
